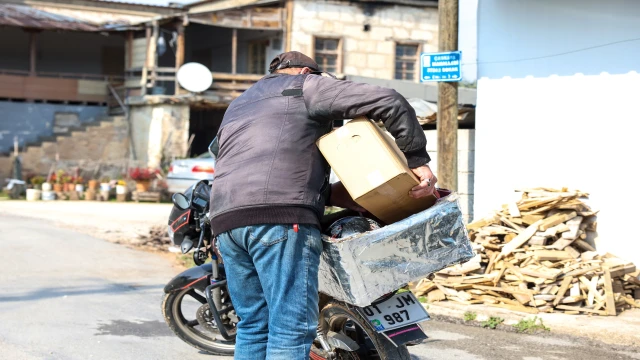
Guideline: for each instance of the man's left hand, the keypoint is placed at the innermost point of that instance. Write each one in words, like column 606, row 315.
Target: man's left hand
column 427, row 184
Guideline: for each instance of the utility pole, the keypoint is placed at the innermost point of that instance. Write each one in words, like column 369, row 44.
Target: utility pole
column 448, row 100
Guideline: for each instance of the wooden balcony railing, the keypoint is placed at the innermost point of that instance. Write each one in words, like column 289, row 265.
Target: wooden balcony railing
column 48, row 86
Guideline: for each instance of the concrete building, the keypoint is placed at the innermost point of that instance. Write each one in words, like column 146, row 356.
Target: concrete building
column 71, row 65
column 557, row 84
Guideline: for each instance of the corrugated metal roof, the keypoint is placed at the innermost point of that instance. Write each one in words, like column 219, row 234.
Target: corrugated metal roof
column 159, row 3
column 54, row 19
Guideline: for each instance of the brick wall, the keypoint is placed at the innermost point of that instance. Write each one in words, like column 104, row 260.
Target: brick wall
column 365, row 53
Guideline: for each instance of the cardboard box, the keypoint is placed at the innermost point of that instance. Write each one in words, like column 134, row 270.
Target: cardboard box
column 373, row 170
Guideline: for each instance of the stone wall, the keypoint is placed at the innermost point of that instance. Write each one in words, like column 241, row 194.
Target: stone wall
column 159, row 132
column 104, row 142
column 30, row 121
column 365, row 53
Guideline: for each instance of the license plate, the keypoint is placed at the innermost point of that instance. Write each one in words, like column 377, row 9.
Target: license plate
column 400, row 310
column 180, row 169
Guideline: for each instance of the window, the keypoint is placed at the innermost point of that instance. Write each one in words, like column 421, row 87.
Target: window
column 327, row 54
column 406, row 60
column 257, row 57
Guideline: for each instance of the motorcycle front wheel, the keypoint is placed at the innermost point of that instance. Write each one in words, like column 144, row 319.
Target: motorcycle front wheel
column 181, row 310
column 338, row 317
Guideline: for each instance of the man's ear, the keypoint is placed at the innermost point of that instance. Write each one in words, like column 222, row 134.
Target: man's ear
column 305, row 70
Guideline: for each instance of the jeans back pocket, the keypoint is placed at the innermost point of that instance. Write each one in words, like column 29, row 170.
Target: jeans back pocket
column 270, row 234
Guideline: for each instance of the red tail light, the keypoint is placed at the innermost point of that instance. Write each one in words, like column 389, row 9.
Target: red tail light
column 171, row 168
column 204, row 169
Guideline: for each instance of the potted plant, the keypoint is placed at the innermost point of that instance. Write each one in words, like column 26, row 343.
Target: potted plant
column 79, row 184
column 143, row 178
column 58, row 179
column 35, row 193
column 37, row 182
column 104, row 184
column 93, row 184
column 69, row 183
column 121, row 187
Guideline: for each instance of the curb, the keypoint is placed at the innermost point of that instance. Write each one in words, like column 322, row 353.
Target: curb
column 623, row 329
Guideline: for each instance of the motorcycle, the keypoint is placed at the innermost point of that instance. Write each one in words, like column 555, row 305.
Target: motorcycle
column 197, row 306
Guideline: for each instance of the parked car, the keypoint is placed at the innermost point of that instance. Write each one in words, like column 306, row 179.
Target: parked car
column 184, row 172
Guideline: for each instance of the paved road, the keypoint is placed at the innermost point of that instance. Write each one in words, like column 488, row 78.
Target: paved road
column 65, row 295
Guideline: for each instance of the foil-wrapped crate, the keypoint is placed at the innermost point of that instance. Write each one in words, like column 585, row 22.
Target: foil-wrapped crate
column 361, row 268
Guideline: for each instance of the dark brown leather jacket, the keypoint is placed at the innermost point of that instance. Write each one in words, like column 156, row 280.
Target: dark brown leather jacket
column 269, row 166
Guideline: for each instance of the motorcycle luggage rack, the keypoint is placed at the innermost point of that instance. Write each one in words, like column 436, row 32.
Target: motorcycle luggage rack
column 229, row 336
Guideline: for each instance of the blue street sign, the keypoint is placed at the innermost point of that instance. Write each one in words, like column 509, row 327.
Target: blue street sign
column 444, row 66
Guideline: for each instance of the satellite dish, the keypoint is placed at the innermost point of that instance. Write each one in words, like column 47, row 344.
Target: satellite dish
column 194, row 77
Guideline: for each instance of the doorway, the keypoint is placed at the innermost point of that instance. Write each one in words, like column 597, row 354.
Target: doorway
column 203, row 126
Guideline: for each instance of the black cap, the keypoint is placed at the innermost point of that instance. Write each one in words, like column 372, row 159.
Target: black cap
column 293, row 59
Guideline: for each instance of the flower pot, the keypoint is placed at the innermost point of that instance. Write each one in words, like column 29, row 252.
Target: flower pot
column 48, row 195
column 121, row 189
column 33, row 194
column 70, row 187
column 90, row 195
column 142, row 185
column 93, row 184
column 46, row 187
column 105, row 187
column 57, row 187
column 79, row 187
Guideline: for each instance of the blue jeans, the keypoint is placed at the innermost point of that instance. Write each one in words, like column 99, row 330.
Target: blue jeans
column 272, row 274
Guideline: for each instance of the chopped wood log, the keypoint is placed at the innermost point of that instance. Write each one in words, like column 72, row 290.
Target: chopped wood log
column 572, row 252
column 620, row 271
column 584, row 245
column 436, row 295
column 514, row 211
column 516, row 227
column 483, row 222
column 572, row 299
column 556, row 219
column 552, row 255
column 544, row 297
column 608, row 291
column 537, row 240
column 574, row 290
column 581, row 309
column 522, row 238
column 531, row 219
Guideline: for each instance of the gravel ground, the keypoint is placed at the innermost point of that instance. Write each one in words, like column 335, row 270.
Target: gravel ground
column 111, row 221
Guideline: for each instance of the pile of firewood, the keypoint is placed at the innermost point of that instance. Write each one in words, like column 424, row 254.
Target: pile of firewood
column 538, row 255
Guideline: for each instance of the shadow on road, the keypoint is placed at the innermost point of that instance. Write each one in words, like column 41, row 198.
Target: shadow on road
column 55, row 292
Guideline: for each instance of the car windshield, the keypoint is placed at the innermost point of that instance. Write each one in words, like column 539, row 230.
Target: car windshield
column 204, row 156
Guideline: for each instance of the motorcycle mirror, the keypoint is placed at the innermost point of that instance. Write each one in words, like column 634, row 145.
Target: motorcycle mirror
column 180, row 201
column 186, row 245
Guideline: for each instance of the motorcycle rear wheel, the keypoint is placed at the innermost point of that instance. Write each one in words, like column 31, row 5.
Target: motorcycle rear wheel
column 338, row 317
column 187, row 330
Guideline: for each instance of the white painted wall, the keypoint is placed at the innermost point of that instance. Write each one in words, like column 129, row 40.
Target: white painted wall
column 468, row 38
column 466, row 166
column 565, row 119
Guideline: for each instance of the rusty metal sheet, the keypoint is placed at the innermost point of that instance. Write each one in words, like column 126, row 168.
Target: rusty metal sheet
column 35, row 18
